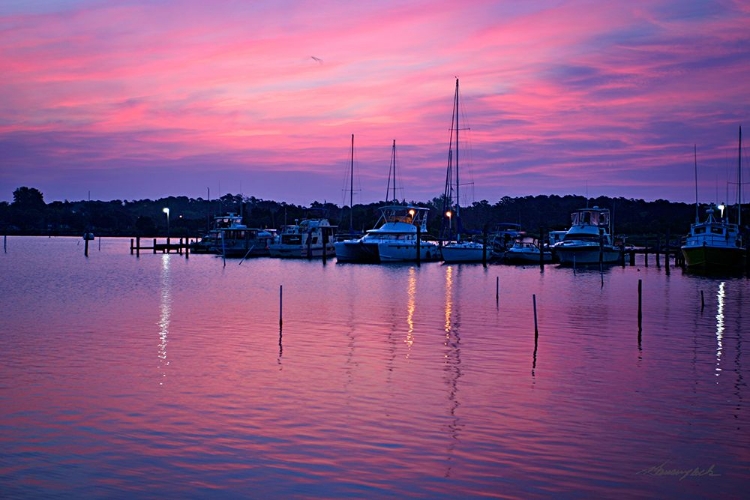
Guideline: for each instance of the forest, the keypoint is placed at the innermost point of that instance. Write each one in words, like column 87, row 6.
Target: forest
column 28, row 214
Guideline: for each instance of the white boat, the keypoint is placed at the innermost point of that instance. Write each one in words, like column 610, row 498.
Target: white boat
column 526, row 252
column 458, row 250
column 308, row 238
column 588, row 241
column 716, row 244
column 503, row 236
column 394, row 239
column 231, row 238
column 211, row 241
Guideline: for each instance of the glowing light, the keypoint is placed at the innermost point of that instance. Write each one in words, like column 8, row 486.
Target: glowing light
column 721, row 209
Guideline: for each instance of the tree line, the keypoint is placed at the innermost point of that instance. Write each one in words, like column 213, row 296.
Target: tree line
column 28, row 214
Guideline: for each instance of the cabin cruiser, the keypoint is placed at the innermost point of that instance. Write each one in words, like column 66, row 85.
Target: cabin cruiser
column 588, row 240
column 307, row 238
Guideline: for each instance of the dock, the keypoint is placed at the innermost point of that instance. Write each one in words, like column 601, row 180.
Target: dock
column 180, row 246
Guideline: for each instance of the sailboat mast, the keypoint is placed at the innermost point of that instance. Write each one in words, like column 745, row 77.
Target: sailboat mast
column 695, row 160
column 739, row 181
column 458, row 191
column 394, row 170
column 351, row 189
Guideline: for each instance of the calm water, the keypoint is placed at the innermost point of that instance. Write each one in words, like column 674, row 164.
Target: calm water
column 162, row 376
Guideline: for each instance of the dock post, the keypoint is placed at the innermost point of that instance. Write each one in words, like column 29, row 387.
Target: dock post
column 86, row 247
column 131, row 246
column 281, row 304
column 187, row 248
column 658, row 251
column 419, row 245
column 154, row 245
column 137, row 246
column 325, row 246
column 536, row 328
column 632, row 257
column 640, row 307
column 541, row 248
column 666, row 255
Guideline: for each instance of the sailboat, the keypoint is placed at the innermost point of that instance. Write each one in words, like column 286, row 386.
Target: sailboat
column 397, row 235
column 458, row 250
column 716, row 244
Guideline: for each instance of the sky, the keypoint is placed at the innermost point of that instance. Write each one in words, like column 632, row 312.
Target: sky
column 145, row 99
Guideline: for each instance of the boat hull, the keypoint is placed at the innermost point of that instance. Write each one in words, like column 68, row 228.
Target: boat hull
column 283, row 251
column 526, row 257
column 464, row 252
column 390, row 251
column 356, row 251
column 708, row 257
column 585, row 255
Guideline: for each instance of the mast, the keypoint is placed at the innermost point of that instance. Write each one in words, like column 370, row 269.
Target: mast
column 351, row 190
column 392, row 170
column 739, row 181
column 695, row 156
column 458, row 193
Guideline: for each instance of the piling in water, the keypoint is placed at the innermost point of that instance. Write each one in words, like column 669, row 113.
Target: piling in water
column 281, row 304
column 640, row 306
column 703, row 303
column 419, row 245
column 536, row 328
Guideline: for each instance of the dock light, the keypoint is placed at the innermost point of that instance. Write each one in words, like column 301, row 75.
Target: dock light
column 166, row 211
column 721, row 209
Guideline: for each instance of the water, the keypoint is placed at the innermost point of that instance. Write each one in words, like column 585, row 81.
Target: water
column 162, row 376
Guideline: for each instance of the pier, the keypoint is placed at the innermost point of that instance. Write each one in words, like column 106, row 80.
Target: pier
column 181, row 246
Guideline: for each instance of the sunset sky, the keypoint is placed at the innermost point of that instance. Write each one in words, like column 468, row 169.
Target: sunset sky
column 136, row 99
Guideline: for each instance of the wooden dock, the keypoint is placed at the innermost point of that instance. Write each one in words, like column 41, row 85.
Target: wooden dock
column 182, row 246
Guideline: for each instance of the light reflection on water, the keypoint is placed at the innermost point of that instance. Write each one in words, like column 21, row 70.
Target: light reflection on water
column 383, row 381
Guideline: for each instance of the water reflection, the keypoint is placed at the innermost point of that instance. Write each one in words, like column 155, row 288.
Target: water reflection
column 410, row 307
column 720, row 296
column 165, row 309
column 452, row 358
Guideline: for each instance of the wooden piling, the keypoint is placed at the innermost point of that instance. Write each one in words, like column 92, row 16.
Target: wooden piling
column 703, row 303
column 536, row 328
column 497, row 289
column 640, row 305
column 658, row 251
column 281, row 304
column 419, row 245
column 540, row 243
column 86, row 247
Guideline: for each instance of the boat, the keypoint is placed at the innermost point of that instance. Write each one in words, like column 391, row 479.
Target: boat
column 460, row 250
column 397, row 237
column 504, row 235
column 211, row 241
column 526, row 252
column 229, row 237
column 716, row 244
column 306, row 238
column 244, row 242
column 588, row 241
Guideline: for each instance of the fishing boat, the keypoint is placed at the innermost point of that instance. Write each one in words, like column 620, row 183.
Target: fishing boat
column 397, row 237
column 211, row 241
column 308, row 238
column 503, row 237
column 460, row 250
column 716, row 244
column 588, row 241
column 526, row 252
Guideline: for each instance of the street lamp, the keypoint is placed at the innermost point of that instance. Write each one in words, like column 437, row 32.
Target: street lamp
column 166, row 211
column 721, row 210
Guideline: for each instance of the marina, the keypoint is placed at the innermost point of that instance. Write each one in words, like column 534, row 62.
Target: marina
column 166, row 376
